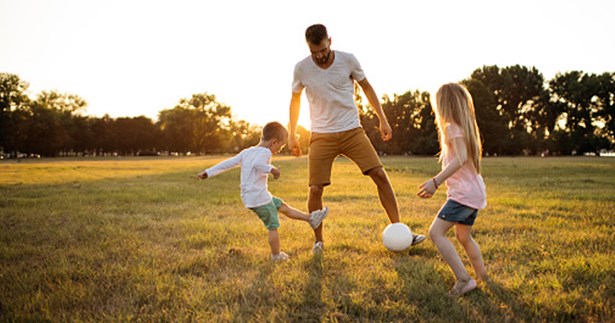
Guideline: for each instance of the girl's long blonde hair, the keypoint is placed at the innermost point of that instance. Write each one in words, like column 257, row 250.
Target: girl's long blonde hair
column 454, row 104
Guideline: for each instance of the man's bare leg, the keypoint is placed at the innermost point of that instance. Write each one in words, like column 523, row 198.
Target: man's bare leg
column 386, row 193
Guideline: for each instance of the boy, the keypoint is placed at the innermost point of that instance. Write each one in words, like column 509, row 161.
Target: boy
column 256, row 165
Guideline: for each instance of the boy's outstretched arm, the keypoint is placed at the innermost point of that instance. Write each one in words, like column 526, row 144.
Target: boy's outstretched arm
column 202, row 175
column 220, row 167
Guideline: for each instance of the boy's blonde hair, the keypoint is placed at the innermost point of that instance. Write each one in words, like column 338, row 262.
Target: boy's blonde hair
column 454, row 104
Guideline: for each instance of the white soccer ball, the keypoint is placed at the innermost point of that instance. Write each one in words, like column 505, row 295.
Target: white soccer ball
column 397, row 237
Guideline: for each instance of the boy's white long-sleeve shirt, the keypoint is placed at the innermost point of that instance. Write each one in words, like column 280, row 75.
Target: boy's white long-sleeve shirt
column 255, row 165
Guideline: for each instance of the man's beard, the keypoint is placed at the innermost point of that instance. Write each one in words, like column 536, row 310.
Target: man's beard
column 326, row 59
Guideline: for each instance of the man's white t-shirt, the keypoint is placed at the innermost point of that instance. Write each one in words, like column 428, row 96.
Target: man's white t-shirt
column 255, row 165
column 330, row 92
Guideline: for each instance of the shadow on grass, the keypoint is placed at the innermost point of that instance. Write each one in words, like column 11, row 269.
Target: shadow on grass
column 260, row 300
column 497, row 300
column 428, row 290
column 312, row 309
column 260, row 294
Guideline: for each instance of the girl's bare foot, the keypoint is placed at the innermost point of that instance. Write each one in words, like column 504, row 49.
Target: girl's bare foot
column 462, row 287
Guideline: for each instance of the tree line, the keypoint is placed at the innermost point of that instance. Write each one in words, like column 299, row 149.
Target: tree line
column 52, row 124
column 518, row 112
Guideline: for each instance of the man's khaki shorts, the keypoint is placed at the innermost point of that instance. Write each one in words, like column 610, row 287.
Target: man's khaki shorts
column 325, row 147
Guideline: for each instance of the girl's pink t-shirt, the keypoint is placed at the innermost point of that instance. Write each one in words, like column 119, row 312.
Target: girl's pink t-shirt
column 465, row 186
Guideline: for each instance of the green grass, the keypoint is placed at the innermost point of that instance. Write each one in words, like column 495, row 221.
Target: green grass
column 140, row 239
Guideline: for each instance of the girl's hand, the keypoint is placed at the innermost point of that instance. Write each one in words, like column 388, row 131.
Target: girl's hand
column 427, row 189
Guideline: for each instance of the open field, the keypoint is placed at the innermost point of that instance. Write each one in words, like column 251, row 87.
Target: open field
column 141, row 239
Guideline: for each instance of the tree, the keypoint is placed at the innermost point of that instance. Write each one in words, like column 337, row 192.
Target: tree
column 506, row 100
column 411, row 120
column 46, row 134
column 491, row 122
column 13, row 98
column 61, row 102
column 425, row 142
column 604, row 100
column 196, row 125
column 176, row 129
column 517, row 112
column 587, row 103
column 132, row 136
column 49, row 123
column 103, row 135
column 83, row 135
column 242, row 135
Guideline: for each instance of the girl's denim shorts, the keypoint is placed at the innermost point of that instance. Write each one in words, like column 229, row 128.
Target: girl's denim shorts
column 455, row 212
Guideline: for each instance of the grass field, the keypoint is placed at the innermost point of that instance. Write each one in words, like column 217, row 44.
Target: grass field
column 140, row 239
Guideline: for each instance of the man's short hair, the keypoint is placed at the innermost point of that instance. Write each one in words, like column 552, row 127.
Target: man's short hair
column 274, row 130
column 316, row 34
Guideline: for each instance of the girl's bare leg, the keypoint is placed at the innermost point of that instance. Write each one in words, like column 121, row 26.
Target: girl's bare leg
column 464, row 236
column 437, row 233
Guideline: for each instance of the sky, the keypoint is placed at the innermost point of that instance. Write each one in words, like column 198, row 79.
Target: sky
column 131, row 57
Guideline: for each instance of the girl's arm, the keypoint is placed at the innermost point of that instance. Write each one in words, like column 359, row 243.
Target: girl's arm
column 429, row 187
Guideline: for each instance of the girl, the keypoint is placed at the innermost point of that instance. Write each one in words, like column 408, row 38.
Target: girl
column 460, row 155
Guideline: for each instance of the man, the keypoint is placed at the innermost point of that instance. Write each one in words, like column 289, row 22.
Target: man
column 328, row 78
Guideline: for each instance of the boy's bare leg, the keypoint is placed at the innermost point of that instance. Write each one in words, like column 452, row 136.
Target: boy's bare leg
column 274, row 241
column 293, row 213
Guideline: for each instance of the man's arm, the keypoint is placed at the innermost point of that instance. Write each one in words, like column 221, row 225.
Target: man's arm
column 295, row 107
column 385, row 129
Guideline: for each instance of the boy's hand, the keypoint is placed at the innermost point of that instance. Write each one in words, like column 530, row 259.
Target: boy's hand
column 275, row 172
column 201, row 175
column 427, row 189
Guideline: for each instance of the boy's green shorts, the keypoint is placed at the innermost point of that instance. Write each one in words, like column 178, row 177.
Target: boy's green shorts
column 268, row 213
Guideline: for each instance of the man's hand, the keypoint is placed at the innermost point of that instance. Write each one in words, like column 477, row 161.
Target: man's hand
column 201, row 175
column 293, row 146
column 275, row 172
column 386, row 133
